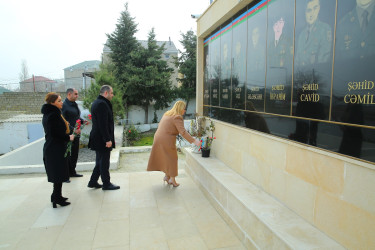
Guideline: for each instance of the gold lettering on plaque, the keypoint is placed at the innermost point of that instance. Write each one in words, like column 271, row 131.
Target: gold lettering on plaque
column 277, row 97
column 360, row 85
column 311, row 86
column 255, row 96
column 278, row 87
column 359, row 99
column 309, row 97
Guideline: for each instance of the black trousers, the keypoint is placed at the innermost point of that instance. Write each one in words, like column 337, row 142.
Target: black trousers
column 72, row 159
column 101, row 167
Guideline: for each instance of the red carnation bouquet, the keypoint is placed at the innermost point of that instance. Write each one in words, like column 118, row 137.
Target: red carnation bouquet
column 79, row 125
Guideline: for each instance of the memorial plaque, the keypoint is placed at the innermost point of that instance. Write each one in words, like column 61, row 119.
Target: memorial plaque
column 354, row 76
column 312, row 66
column 279, row 56
column 207, row 78
column 214, row 76
column 239, row 61
column 256, row 57
column 225, row 66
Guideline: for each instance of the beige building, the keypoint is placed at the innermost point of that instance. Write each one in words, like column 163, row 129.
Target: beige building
column 274, row 191
column 169, row 54
column 79, row 76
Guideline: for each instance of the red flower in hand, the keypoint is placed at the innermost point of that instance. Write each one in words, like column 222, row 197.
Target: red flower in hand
column 78, row 126
column 90, row 116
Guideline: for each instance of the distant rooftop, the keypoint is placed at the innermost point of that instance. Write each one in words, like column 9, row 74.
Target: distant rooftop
column 169, row 45
column 39, row 79
column 82, row 65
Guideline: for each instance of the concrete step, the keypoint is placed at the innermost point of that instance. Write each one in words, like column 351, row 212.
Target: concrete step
column 259, row 220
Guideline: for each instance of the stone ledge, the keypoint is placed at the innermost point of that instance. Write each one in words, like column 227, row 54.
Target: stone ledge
column 258, row 219
column 138, row 149
column 39, row 168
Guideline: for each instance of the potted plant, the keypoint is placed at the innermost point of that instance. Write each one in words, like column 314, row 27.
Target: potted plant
column 197, row 130
column 207, row 141
column 206, row 146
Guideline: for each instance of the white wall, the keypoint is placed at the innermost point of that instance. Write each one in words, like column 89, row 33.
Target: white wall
column 137, row 114
column 14, row 135
column 29, row 154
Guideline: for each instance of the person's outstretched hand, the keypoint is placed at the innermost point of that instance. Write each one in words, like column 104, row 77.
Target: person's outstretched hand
column 197, row 143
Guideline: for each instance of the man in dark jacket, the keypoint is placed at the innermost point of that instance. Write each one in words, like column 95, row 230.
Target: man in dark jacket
column 102, row 138
column 72, row 113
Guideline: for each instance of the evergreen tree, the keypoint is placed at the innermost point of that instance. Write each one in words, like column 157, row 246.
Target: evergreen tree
column 104, row 77
column 122, row 42
column 149, row 77
column 186, row 64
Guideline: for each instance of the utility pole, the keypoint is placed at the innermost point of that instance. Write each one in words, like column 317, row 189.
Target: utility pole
column 34, row 82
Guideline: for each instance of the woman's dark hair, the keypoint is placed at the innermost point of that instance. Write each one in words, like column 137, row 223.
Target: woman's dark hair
column 51, row 97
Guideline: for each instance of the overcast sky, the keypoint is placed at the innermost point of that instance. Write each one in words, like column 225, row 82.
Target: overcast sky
column 52, row 35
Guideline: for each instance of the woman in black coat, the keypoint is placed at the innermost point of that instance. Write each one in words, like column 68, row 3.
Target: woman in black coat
column 56, row 130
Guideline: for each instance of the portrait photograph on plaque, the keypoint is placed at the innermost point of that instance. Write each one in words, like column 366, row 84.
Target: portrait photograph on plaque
column 279, row 56
column 313, row 58
column 354, row 75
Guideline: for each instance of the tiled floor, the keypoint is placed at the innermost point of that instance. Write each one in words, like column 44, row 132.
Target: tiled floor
column 143, row 214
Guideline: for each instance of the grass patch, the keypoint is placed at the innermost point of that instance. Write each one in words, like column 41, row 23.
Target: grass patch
column 144, row 141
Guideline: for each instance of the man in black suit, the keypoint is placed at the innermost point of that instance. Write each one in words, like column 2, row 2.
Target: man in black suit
column 72, row 113
column 102, row 138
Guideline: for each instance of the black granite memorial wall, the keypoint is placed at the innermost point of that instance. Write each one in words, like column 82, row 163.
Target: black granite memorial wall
column 301, row 70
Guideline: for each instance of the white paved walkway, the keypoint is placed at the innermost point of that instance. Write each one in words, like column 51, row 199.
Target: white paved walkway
column 143, row 214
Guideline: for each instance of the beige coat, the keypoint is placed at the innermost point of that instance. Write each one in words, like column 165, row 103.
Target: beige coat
column 163, row 155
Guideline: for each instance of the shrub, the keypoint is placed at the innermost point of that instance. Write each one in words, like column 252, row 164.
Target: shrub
column 131, row 134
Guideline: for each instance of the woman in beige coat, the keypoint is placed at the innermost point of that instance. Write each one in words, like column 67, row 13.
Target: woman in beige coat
column 163, row 155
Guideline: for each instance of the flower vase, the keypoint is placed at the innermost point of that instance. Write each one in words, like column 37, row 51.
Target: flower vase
column 206, row 152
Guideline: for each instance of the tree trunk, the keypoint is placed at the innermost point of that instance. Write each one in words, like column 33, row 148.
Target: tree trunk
column 187, row 105
column 146, row 113
column 127, row 114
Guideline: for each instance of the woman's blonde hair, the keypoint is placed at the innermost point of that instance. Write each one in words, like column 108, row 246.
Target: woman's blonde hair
column 177, row 109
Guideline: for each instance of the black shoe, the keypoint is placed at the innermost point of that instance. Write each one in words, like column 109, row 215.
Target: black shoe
column 68, row 181
column 77, row 175
column 94, row 185
column 110, row 186
column 62, row 197
column 60, row 202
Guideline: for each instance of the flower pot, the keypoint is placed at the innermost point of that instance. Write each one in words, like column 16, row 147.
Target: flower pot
column 206, row 152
